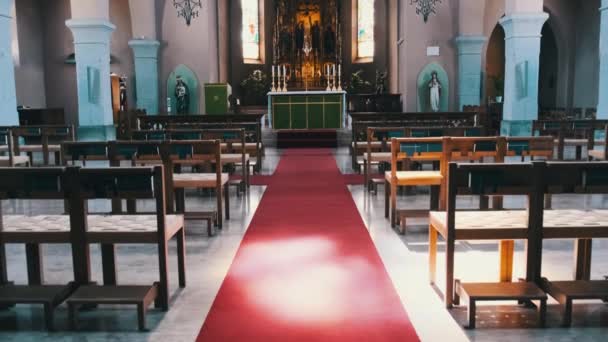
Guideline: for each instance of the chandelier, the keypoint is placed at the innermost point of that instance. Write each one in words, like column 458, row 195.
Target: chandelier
column 187, row 9
column 425, row 7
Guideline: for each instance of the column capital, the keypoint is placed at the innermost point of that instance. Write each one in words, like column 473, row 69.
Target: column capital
column 90, row 30
column 523, row 25
column 144, row 48
column 6, row 7
column 470, row 44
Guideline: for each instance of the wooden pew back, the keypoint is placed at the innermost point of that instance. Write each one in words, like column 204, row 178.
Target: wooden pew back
column 32, row 183
column 82, row 151
column 575, row 178
column 119, row 183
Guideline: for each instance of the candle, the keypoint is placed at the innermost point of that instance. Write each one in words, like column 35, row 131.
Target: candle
column 339, row 69
column 284, row 71
column 273, row 71
column 327, row 73
column 333, row 68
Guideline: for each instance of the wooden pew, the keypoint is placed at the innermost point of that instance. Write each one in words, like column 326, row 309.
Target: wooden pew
column 581, row 225
column 42, row 139
column 6, row 146
column 409, row 150
column 116, row 228
column 577, row 133
column 252, row 123
column 152, row 153
column 486, row 180
column 253, row 138
column 34, row 184
column 232, row 140
column 601, row 155
column 41, row 116
column 200, row 154
column 79, row 152
column 473, row 149
column 359, row 148
column 147, row 122
column 362, row 123
column 457, row 118
column 374, row 102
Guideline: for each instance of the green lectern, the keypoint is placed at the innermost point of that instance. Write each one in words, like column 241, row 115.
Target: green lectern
column 217, row 98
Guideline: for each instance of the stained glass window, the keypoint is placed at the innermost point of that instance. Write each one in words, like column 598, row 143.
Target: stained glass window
column 251, row 29
column 365, row 28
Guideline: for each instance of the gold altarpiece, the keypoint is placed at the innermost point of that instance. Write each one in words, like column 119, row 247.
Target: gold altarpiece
column 307, row 41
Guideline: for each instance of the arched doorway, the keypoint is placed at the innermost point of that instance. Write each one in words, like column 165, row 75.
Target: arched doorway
column 495, row 76
column 495, row 65
column 548, row 71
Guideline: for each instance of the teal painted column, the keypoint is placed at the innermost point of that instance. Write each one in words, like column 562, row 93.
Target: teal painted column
column 602, row 107
column 145, row 54
column 469, row 70
column 522, row 59
column 92, row 48
column 8, row 94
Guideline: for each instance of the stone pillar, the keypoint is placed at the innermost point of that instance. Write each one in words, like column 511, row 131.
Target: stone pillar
column 92, row 49
column 602, row 107
column 8, row 93
column 469, row 69
column 522, row 58
column 145, row 53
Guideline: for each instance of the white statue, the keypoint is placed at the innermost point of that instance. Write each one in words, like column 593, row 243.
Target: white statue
column 435, row 92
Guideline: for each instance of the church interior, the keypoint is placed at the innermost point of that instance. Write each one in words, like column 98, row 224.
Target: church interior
column 303, row 170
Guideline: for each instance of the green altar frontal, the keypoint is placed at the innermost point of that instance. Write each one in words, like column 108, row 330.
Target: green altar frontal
column 307, row 110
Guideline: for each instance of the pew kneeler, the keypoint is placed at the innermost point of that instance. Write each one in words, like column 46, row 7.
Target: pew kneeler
column 434, row 179
column 32, row 231
column 113, row 228
column 519, row 291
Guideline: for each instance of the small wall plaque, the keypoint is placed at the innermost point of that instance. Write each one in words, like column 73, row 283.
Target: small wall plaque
column 432, row 51
column 93, row 83
column 521, row 78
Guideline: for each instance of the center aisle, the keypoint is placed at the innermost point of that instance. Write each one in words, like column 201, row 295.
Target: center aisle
column 307, row 269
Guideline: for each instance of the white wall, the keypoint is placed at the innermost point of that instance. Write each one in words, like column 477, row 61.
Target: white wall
column 194, row 46
column 90, row 9
column 440, row 30
column 60, row 78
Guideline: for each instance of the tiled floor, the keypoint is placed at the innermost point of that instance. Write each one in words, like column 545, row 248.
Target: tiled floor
column 405, row 258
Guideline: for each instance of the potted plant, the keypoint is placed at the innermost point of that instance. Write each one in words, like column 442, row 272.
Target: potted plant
column 255, row 87
column 499, row 87
column 358, row 85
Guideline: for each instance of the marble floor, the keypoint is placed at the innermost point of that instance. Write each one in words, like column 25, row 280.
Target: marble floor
column 405, row 257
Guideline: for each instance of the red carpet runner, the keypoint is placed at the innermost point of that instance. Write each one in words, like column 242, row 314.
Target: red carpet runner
column 307, row 269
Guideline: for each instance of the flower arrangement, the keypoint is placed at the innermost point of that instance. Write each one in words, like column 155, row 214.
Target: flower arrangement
column 255, row 87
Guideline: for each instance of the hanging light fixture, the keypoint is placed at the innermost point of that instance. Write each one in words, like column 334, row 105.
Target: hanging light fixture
column 425, row 7
column 187, row 9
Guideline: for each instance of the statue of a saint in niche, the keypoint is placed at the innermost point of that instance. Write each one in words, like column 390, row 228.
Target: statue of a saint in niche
column 381, row 82
column 300, row 37
column 435, row 92
column 123, row 93
column 329, row 41
column 182, row 96
column 316, row 36
column 285, row 39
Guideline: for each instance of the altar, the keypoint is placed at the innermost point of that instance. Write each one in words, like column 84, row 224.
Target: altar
column 307, row 110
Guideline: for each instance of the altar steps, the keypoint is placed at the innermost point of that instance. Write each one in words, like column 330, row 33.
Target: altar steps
column 323, row 138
